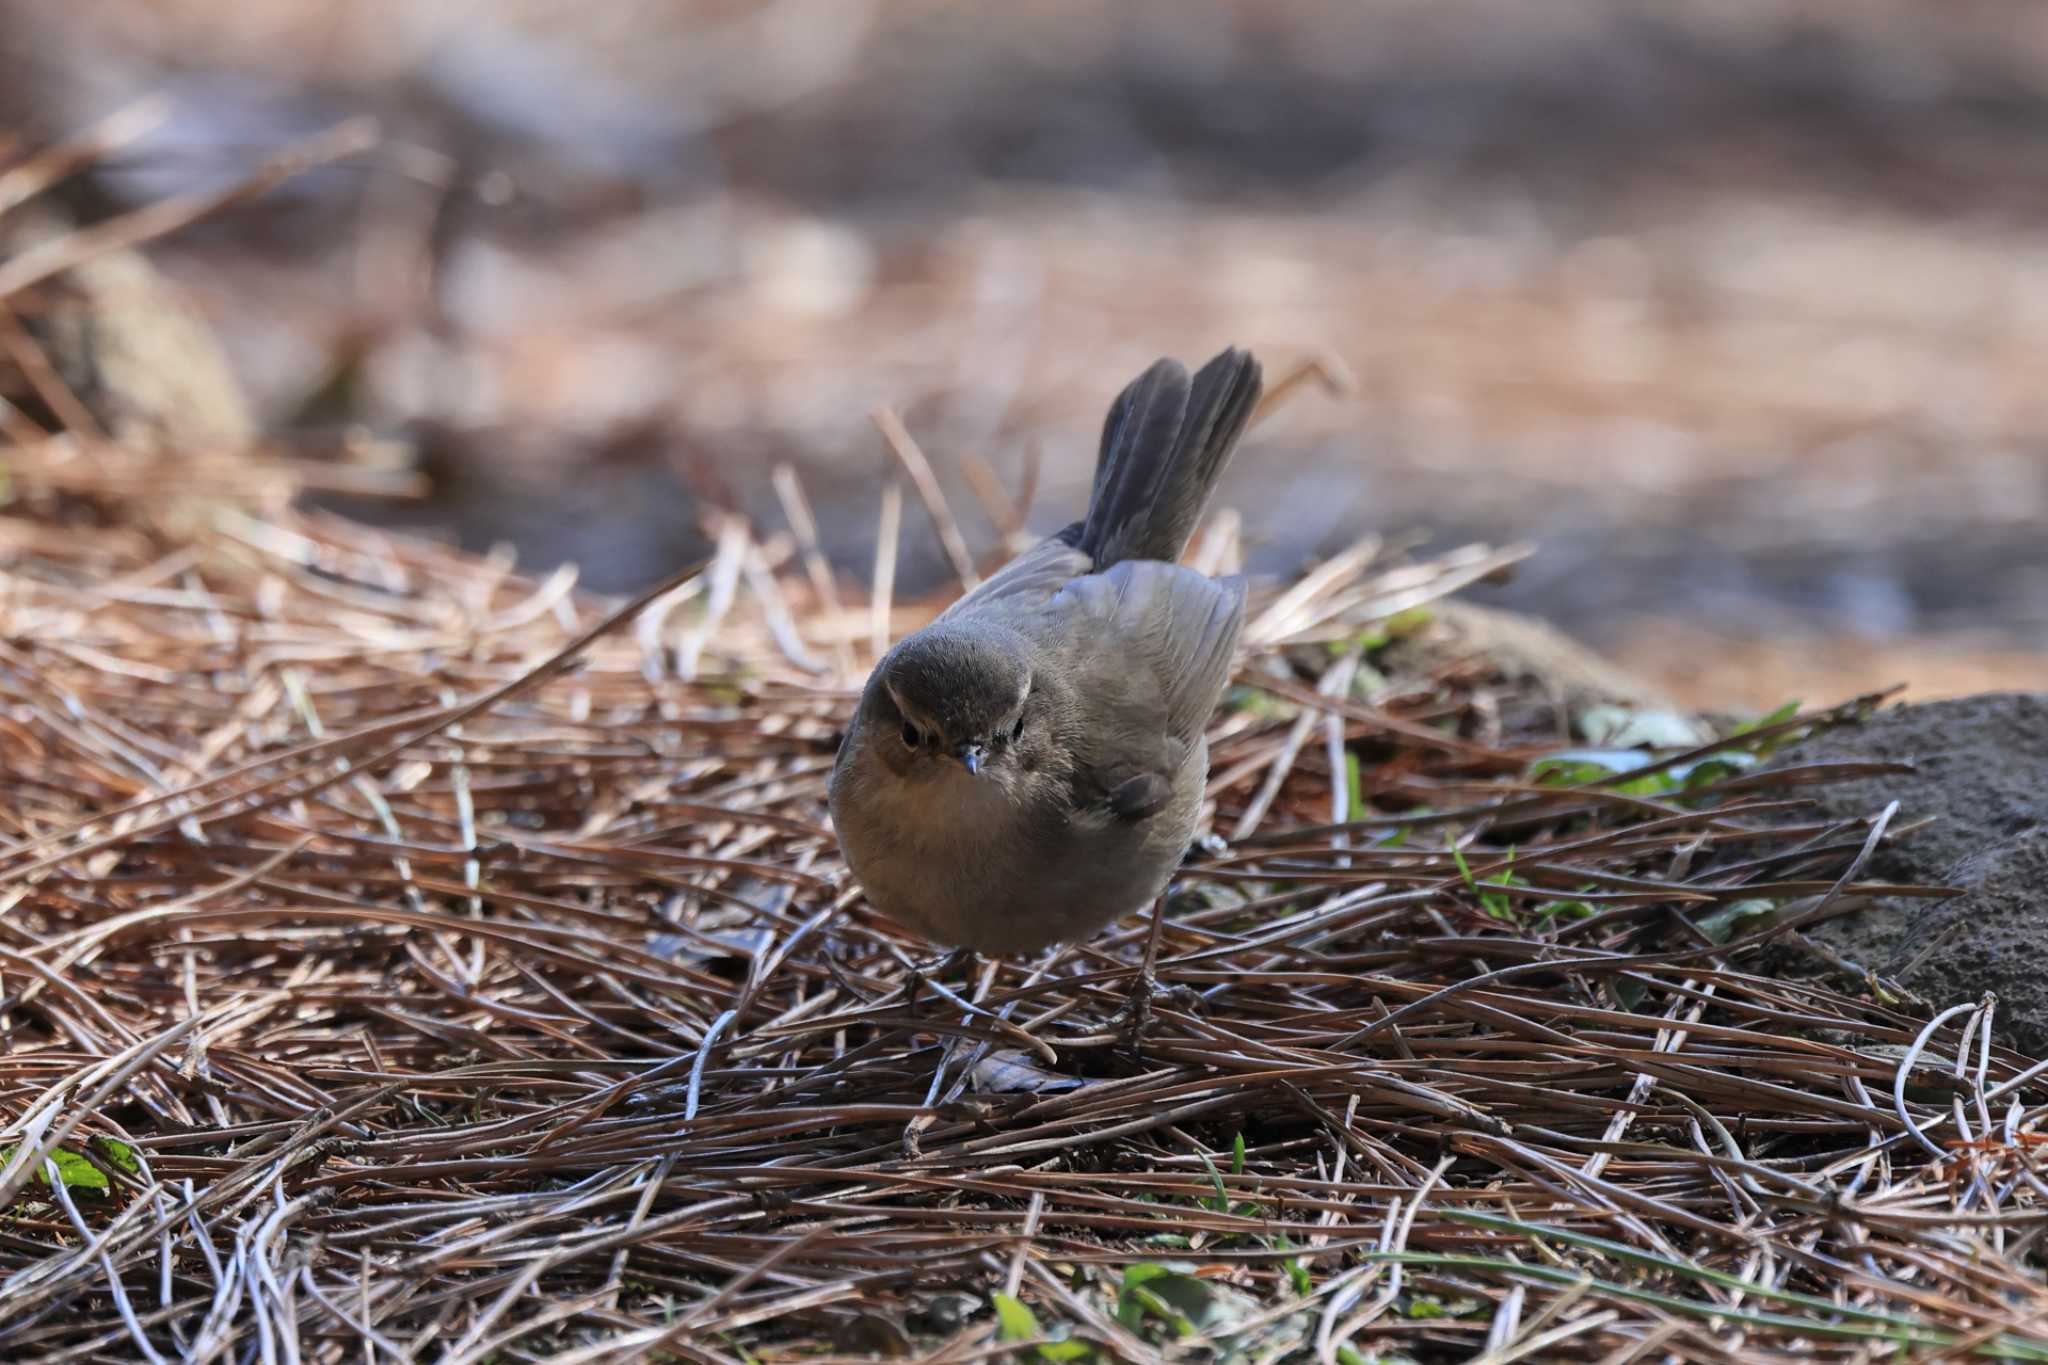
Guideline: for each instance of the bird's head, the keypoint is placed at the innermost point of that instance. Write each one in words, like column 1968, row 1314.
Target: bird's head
column 953, row 694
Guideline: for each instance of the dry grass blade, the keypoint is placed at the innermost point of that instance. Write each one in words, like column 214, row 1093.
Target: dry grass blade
column 1325, row 370
column 897, row 437
column 37, row 173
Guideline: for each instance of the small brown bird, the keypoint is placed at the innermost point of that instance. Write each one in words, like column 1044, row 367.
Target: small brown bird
column 1030, row 766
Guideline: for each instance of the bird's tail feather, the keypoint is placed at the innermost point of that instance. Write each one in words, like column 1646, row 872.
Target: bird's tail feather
column 1164, row 446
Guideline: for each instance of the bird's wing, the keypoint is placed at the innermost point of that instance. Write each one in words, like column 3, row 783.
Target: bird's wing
column 1175, row 624
column 1031, row 579
column 1149, row 647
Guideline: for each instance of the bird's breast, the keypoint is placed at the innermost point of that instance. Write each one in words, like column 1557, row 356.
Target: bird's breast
column 994, row 864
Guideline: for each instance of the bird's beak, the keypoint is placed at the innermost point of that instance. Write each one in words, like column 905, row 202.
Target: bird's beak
column 970, row 756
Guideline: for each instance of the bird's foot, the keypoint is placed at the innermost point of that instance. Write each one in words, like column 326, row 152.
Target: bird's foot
column 1147, row 991
column 933, row 971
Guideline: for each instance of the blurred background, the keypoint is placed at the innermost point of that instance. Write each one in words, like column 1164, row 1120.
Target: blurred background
column 1736, row 308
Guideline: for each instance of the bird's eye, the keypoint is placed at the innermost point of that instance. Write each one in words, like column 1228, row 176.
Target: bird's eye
column 912, row 736
column 1017, row 730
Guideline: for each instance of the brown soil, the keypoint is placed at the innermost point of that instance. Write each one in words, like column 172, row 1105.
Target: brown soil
column 1981, row 776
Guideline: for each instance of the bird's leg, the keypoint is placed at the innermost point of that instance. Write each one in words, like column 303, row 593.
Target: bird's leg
column 1147, row 983
column 932, row 969
column 1145, row 988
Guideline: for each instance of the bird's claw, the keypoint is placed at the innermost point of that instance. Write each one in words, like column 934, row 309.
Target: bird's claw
column 1147, row 991
column 932, row 970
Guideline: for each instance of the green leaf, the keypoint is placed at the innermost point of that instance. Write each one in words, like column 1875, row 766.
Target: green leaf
column 1237, row 1155
column 1464, row 868
column 74, row 1170
column 1186, row 1303
column 1712, row 768
column 1348, row 1355
column 1492, row 902
column 1134, row 1299
column 1221, row 1203
column 1130, row 1309
column 1585, row 765
column 1423, row 1306
column 1354, row 793
column 119, row 1153
column 1149, row 1300
column 1502, row 907
column 77, row 1172
column 1777, row 717
column 1304, row 1283
column 1364, row 640
column 1563, row 909
column 1735, row 919
column 1066, row 1350
column 1014, row 1322
column 1552, row 771
column 1407, row 622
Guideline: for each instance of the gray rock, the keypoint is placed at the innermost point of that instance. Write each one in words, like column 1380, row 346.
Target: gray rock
column 1981, row 772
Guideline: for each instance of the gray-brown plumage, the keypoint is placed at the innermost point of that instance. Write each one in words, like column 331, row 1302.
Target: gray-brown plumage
column 1030, row 766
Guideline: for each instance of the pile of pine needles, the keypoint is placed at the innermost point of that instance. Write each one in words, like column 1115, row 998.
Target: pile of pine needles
column 403, row 958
